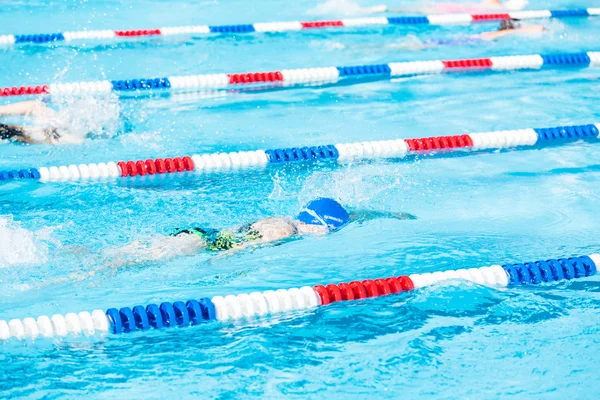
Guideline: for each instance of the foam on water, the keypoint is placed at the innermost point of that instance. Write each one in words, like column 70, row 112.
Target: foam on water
column 19, row 245
column 366, row 185
column 78, row 118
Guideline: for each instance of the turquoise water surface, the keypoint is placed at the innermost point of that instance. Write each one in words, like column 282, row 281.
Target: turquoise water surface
column 454, row 340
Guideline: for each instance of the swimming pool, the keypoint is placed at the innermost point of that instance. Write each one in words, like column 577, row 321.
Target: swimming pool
column 449, row 340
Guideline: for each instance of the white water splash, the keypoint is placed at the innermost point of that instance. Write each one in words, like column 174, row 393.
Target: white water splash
column 78, row 118
column 364, row 185
column 19, row 245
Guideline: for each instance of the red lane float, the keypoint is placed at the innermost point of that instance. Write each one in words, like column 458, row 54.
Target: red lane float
column 252, row 77
column 439, row 142
column 157, row 166
column 139, row 32
column 354, row 290
column 24, row 90
column 490, row 17
column 320, row 24
column 472, row 63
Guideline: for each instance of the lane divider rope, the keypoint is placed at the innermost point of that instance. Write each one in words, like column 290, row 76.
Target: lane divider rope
column 258, row 304
column 342, row 152
column 315, row 76
column 9, row 40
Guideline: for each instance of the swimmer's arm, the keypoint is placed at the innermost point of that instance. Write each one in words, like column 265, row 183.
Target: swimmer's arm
column 31, row 107
column 24, row 139
column 367, row 215
column 20, row 108
column 159, row 248
column 494, row 35
column 162, row 247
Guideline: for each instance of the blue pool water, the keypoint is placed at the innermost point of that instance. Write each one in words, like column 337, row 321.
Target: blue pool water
column 450, row 341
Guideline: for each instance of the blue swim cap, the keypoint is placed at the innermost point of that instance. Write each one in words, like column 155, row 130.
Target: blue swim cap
column 324, row 211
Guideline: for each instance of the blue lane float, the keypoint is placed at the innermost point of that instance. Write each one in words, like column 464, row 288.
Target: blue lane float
column 310, row 76
column 341, row 152
column 180, row 314
column 9, row 40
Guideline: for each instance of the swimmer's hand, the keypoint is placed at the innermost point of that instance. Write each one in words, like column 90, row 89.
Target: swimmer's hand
column 361, row 216
column 41, row 110
column 399, row 215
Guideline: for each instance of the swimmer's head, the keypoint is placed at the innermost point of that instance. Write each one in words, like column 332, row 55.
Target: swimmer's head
column 324, row 212
column 508, row 24
column 11, row 132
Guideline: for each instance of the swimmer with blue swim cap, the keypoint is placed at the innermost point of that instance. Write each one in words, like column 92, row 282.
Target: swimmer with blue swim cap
column 318, row 217
column 324, row 212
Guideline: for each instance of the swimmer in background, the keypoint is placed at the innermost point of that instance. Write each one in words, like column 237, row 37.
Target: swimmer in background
column 319, row 217
column 512, row 27
column 40, row 132
column 75, row 120
column 509, row 27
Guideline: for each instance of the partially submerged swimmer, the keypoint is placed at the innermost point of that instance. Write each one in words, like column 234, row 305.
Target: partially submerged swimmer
column 512, row 27
column 41, row 132
column 319, row 217
column 507, row 28
column 74, row 120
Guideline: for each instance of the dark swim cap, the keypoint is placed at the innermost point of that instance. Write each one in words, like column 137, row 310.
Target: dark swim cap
column 324, row 211
column 508, row 24
column 11, row 131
